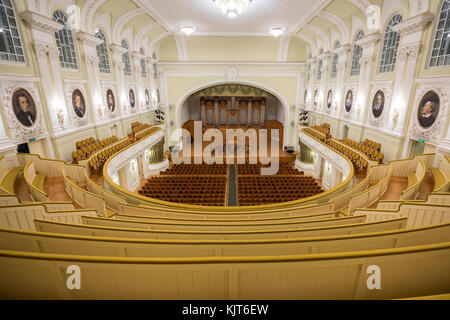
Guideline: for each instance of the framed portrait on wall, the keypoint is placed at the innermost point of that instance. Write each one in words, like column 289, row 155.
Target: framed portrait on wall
column 378, row 104
column 428, row 110
column 78, row 103
column 316, row 97
column 24, row 107
column 349, row 101
column 132, row 98
column 111, row 102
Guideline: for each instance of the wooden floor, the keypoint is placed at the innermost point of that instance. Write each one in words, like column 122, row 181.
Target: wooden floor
column 20, row 187
column 54, row 187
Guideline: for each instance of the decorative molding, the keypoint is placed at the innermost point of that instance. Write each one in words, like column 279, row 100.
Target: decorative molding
column 88, row 39
column 117, row 31
column 382, row 120
column 69, row 89
column 369, row 39
column 232, row 73
column 434, row 134
column 40, row 22
column 18, row 131
column 414, row 24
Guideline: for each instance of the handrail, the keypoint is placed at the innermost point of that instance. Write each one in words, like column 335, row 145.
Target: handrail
column 30, row 183
column 224, row 233
column 290, row 258
column 232, row 241
column 419, row 180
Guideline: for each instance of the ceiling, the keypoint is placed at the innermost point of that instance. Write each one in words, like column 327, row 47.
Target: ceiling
column 208, row 19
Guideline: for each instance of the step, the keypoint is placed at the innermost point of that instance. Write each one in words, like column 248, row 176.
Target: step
column 439, row 179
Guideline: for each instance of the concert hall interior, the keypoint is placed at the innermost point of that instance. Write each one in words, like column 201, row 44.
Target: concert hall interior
column 225, row 149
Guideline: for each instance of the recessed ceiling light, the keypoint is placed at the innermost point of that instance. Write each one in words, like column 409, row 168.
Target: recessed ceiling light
column 187, row 30
column 1, row 30
column 277, row 31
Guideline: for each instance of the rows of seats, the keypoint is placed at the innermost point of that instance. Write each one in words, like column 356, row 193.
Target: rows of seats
column 319, row 136
column 255, row 169
column 371, row 152
column 145, row 133
column 358, row 160
column 137, row 127
column 323, row 128
column 262, row 190
column 372, row 144
column 197, row 189
column 196, row 169
column 97, row 162
column 86, row 147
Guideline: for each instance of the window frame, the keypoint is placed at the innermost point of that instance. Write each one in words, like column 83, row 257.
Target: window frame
column 379, row 71
column 107, row 54
column 77, row 60
column 355, row 39
column 129, row 59
column 144, row 67
column 22, row 43
column 433, row 39
column 334, row 69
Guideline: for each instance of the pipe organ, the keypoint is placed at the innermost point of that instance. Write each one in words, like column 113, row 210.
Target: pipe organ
column 225, row 112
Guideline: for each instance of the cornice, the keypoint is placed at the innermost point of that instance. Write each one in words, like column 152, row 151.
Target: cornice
column 40, row 22
column 369, row 39
column 414, row 24
column 117, row 48
column 88, row 39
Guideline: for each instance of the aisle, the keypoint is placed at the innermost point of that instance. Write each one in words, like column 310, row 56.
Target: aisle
column 232, row 190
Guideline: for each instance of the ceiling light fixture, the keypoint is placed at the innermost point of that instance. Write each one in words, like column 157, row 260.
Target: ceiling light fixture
column 276, row 32
column 187, row 30
column 232, row 8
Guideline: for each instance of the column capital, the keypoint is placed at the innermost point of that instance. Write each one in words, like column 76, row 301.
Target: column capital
column 117, row 48
column 411, row 50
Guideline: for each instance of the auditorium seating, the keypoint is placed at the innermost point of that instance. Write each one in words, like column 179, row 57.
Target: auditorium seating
column 145, row 133
column 89, row 146
column 97, row 162
column 358, row 161
column 370, row 148
column 286, row 185
column 200, row 190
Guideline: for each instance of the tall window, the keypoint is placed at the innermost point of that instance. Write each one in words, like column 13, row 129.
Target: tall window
column 143, row 65
column 308, row 73
column 440, row 56
column 64, row 41
column 102, row 52
column 126, row 59
column 319, row 68
column 10, row 45
column 155, row 67
column 337, row 45
column 390, row 45
column 357, row 54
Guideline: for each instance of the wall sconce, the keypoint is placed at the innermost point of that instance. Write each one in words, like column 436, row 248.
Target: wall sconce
column 125, row 106
column 171, row 123
column 60, row 115
column 100, row 110
column 395, row 117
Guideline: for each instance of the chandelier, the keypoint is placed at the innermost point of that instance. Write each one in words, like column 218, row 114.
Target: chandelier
column 231, row 8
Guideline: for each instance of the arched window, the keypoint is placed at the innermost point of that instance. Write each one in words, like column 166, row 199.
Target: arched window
column 337, row 45
column 320, row 65
column 143, row 65
column 308, row 74
column 155, row 67
column 126, row 59
column 390, row 45
column 64, row 41
column 10, row 45
column 357, row 54
column 440, row 56
column 102, row 52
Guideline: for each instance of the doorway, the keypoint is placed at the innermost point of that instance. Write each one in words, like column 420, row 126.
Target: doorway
column 345, row 132
column 23, row 148
column 418, row 147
